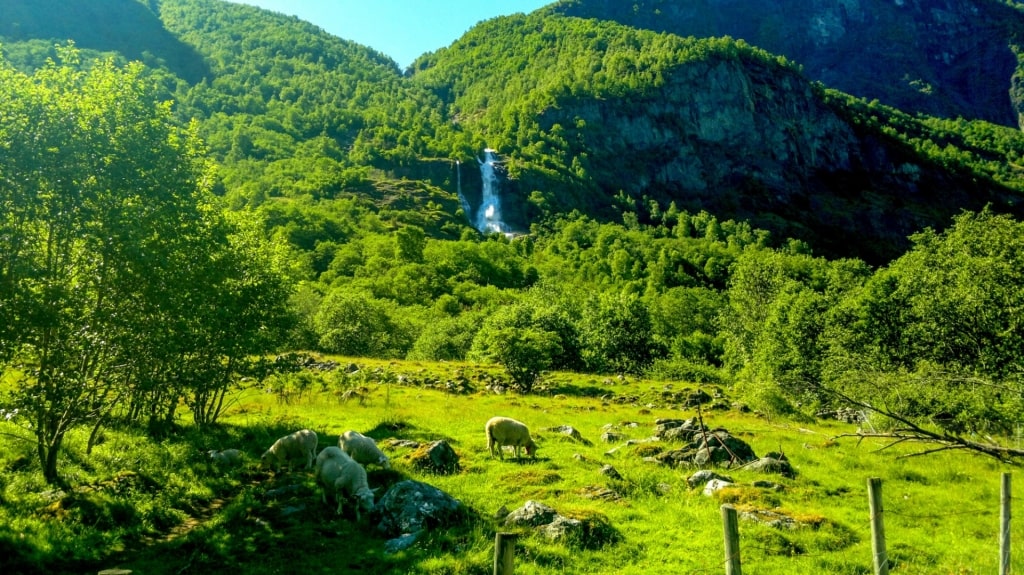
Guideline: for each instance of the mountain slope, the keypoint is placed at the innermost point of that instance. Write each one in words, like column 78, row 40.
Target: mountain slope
column 128, row 27
column 586, row 115
column 947, row 58
column 588, row 111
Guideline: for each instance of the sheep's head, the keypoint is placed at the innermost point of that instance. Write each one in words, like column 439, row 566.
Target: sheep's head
column 267, row 458
column 384, row 462
column 531, row 448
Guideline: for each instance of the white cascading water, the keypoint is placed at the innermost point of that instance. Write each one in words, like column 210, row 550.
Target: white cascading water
column 488, row 216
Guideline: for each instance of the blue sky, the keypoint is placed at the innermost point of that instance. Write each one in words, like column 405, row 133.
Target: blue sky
column 402, row 29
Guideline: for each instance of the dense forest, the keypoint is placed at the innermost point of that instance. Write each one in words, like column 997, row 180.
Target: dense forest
column 177, row 205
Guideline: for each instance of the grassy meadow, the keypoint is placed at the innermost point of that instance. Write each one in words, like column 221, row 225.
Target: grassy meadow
column 160, row 507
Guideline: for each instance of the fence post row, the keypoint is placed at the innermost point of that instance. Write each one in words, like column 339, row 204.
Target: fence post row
column 505, row 543
column 731, row 531
column 504, row 553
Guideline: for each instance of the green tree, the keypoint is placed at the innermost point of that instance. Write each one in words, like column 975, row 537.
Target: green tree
column 525, row 353
column 945, row 315
column 356, row 324
column 105, row 211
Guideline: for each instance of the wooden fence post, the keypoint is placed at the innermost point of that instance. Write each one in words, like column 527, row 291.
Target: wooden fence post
column 1004, row 526
column 881, row 560
column 731, row 530
column 504, row 552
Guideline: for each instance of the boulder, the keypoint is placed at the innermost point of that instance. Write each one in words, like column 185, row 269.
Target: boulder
column 570, row 432
column 401, row 542
column 703, row 476
column 772, row 465
column 411, row 506
column 737, row 450
column 563, row 529
column 611, row 473
column 437, row 457
column 531, row 514
column 715, row 485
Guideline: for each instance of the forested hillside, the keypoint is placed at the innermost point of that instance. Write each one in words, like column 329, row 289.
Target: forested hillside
column 192, row 190
column 948, row 58
column 687, row 208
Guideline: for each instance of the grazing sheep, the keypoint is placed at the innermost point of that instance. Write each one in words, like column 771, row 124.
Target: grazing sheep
column 503, row 431
column 225, row 457
column 344, row 478
column 300, row 445
column 330, row 453
column 363, row 449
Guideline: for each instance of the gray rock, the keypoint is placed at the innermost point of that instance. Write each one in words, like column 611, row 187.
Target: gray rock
column 437, row 457
column 284, row 491
column 411, row 506
column 772, row 465
column 563, row 529
column 531, row 514
column 611, row 473
column 501, row 513
column 612, row 436
column 736, row 450
column 401, row 543
column 699, row 397
column 570, row 432
column 715, row 485
column 703, row 476
column 770, row 518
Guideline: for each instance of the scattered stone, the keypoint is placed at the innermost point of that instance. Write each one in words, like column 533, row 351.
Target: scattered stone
column 501, row 513
column 437, row 457
column 772, row 465
column 611, row 473
column 401, row 543
column 285, row 491
column 703, row 476
column 676, row 457
column 292, row 510
column 531, row 514
column 699, row 397
column 770, row 518
column 844, row 414
column 598, row 492
column 563, row 529
column 715, row 485
column 570, row 432
column 398, row 443
column 411, row 506
column 737, row 450
column 612, row 436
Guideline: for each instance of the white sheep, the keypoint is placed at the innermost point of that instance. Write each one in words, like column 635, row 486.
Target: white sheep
column 300, row 445
column 225, row 457
column 330, row 453
column 363, row 449
column 339, row 474
column 503, row 431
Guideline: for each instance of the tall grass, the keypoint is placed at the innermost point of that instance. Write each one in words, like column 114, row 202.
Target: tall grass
column 173, row 512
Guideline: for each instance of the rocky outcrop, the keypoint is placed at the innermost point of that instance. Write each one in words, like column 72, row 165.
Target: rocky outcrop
column 748, row 140
column 942, row 57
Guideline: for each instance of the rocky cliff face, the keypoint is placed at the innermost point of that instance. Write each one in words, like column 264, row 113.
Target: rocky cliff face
column 942, row 57
column 754, row 142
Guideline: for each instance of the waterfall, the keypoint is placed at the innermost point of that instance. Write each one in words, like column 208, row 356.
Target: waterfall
column 488, row 216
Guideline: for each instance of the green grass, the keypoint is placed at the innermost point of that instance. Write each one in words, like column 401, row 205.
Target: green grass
column 941, row 511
